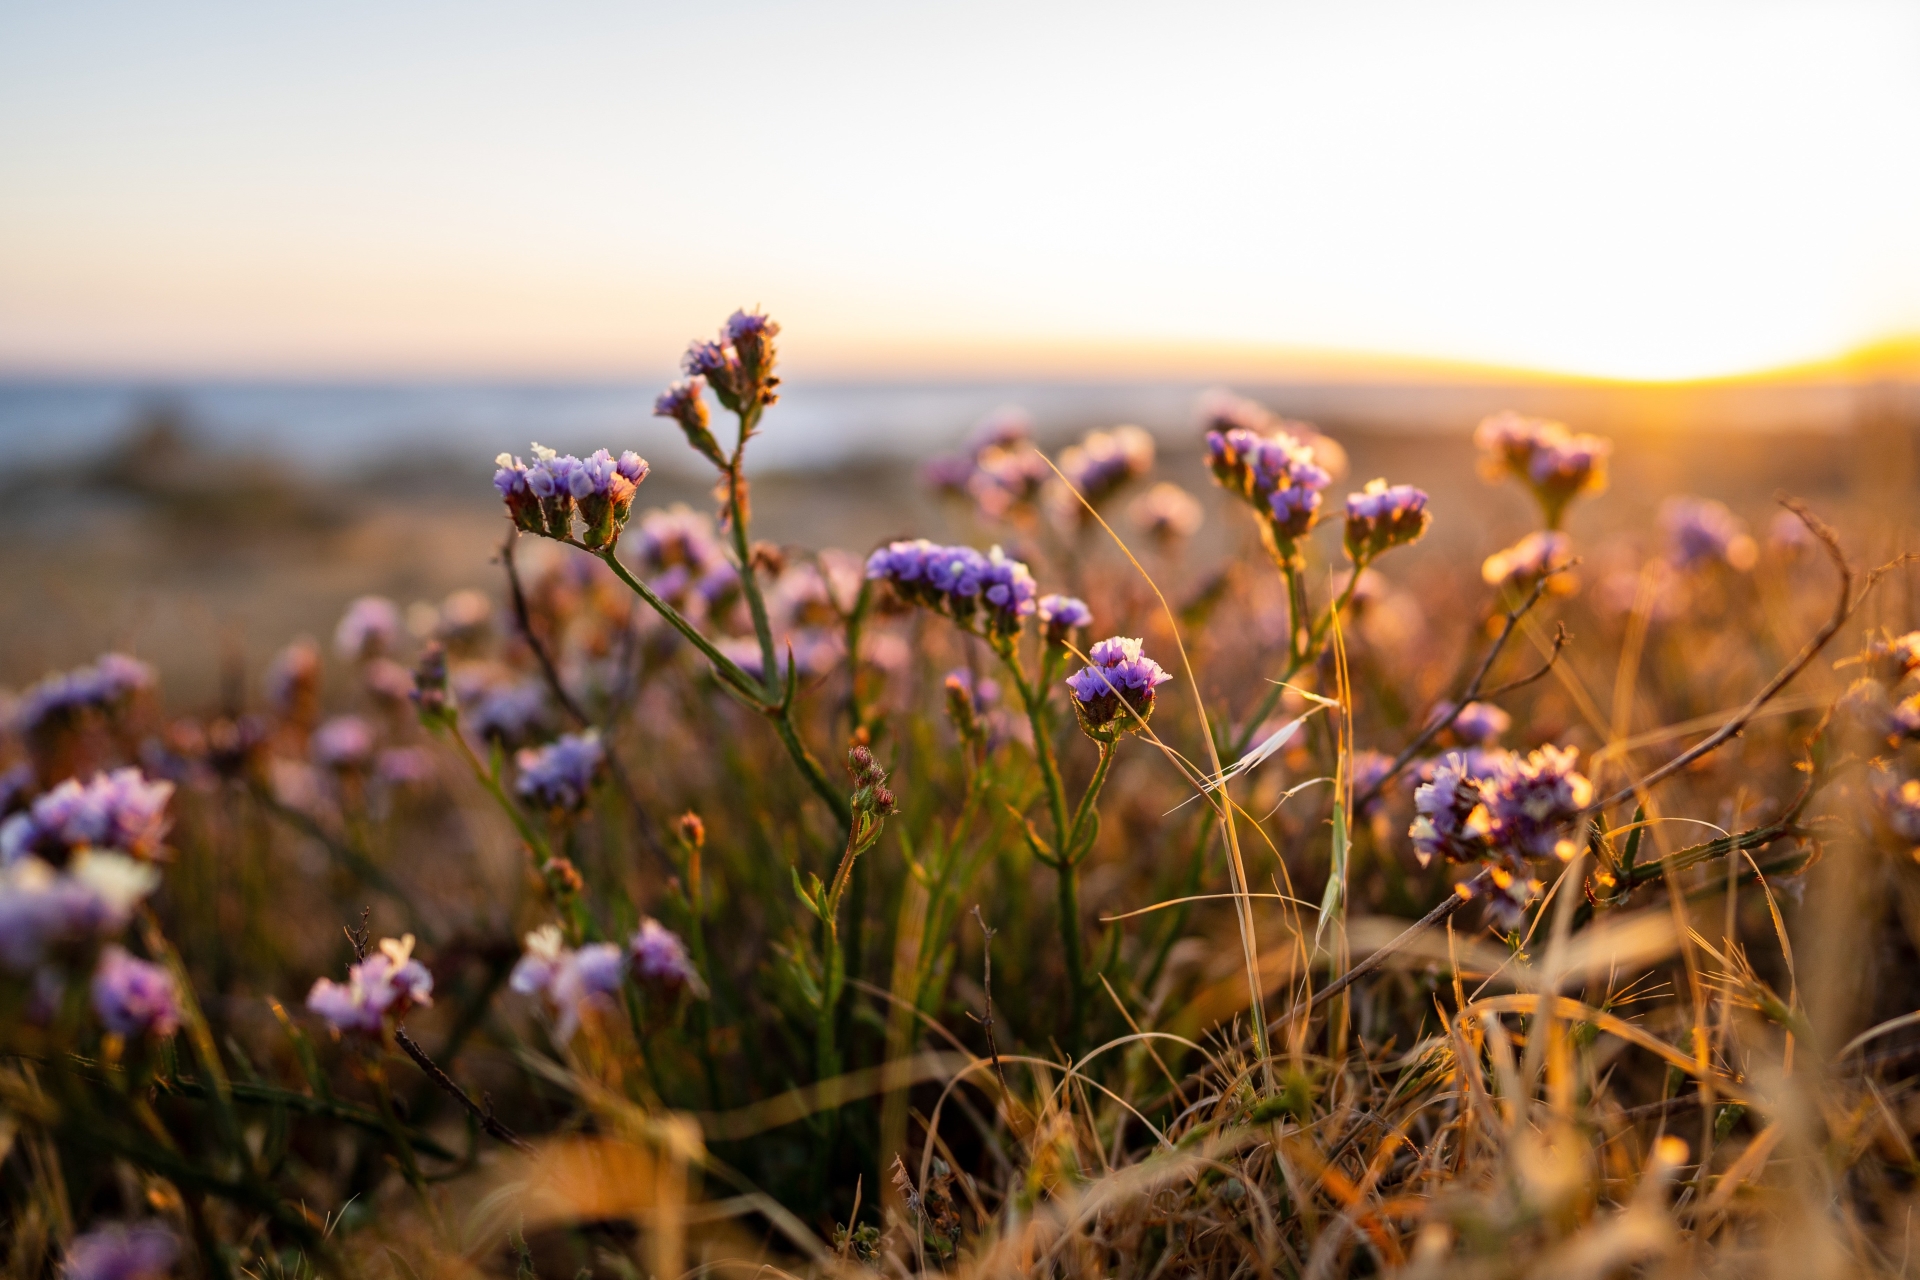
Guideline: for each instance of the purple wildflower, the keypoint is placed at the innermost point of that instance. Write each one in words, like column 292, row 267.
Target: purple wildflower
column 751, row 335
column 92, row 896
column 1554, row 463
column 506, row 713
column 108, row 683
column 1478, row 724
column 403, row 766
column 1533, row 804
column 1701, row 532
column 1008, row 480
column 1381, row 517
column 368, row 628
column 122, row 1251
column 1900, row 806
column 119, row 810
column 1277, row 475
column 1100, row 465
column 685, row 402
column 1167, row 513
column 571, row 981
column 1449, row 819
column 344, row 743
column 1542, row 554
column 1060, row 616
column 385, row 984
column 1368, row 768
column 1119, row 673
column 561, row 774
column 660, row 961
column 134, row 998
column 993, row 590
column 510, row 480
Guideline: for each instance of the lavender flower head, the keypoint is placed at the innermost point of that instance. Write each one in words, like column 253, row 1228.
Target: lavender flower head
column 1534, row 803
column 121, row 1251
column 1119, row 677
column 660, row 961
column 93, row 896
column 134, row 998
column 561, row 774
column 1100, row 465
column 991, row 593
column 1381, row 517
column 1167, row 514
column 1060, row 616
column 506, row 713
column 343, row 743
column 1545, row 554
column 543, row 497
column 685, row 403
column 1701, row 532
column 1554, row 463
column 1008, row 480
column 385, row 984
column 1450, row 821
column 368, row 628
column 1478, row 724
column 739, row 367
column 1277, row 475
column 1222, row 410
column 119, row 810
column 108, row 683
column 571, row 981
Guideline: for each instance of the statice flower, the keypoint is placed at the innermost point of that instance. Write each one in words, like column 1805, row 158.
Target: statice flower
column 108, row 683
column 368, row 628
column 660, row 961
column 1100, row 466
column 1368, row 768
column 1478, row 724
column 1381, row 517
column 1060, row 616
column 1008, row 480
column 603, row 489
column 1547, row 554
column 1277, row 475
column 1450, row 821
column 1554, row 463
column 1222, row 410
column 1534, row 803
column 506, row 713
column 1120, row 677
column 1900, row 805
column 121, row 1251
column 990, row 593
column 134, row 998
column 1167, row 514
column 344, row 742
column 93, row 896
column 119, row 810
column 739, row 367
column 293, row 679
column 544, row 497
column 571, row 981
column 561, row 774
column 384, row 985
column 685, row 402
column 1889, row 658
column 1701, row 532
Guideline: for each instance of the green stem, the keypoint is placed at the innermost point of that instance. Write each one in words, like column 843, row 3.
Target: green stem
column 743, row 547
column 1069, row 873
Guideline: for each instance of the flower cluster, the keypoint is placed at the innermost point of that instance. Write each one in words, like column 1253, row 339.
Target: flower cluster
column 1701, row 532
column 1222, row 410
column 871, row 795
column 110, row 681
column 544, row 497
column 738, row 367
column 1900, row 805
column 1060, row 616
column 142, row 1251
column 1099, row 467
column 133, row 997
column 1276, row 474
column 1554, row 463
column 681, row 559
column 660, row 961
column 368, row 629
column 383, row 985
column 1381, row 517
column 1167, row 514
column 1478, row 723
column 343, row 743
column 991, row 592
column 999, row 470
column 561, row 774
column 1544, row 554
column 685, row 403
column 1506, row 810
column 92, row 896
column 1891, row 659
column 1114, row 694
column 119, row 810
column 573, row 980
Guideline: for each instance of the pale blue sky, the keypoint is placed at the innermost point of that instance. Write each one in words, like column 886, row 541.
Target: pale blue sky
column 1621, row 189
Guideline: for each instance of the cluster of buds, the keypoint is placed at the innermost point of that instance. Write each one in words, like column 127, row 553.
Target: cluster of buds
column 968, row 702
column 1506, row 811
column 573, row 980
column 1550, row 460
column 1100, row 466
column 999, row 470
column 738, row 367
column 107, row 683
column 991, row 593
column 686, row 403
column 1167, row 514
column 1381, row 517
column 1544, row 554
column 870, row 793
column 1701, row 533
column 120, row 811
column 1114, row 694
column 1276, row 474
column 560, row 776
column 543, row 498
column 1060, row 616
column 1222, row 410
column 379, row 987
column 133, row 997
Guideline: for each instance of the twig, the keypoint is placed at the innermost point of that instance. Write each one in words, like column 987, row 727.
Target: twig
column 1843, row 609
column 1472, row 691
column 523, row 616
column 484, row 1115
column 1561, row 639
column 993, row 1047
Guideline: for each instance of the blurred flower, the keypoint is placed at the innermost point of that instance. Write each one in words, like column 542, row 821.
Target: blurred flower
column 293, row 680
column 561, row 774
column 1368, row 768
column 1889, row 658
column 93, row 896
column 506, row 713
column 1099, row 467
column 1008, row 480
column 1789, row 536
column 134, row 998
column 1449, row 819
column 1899, row 805
column 1167, row 513
column 1550, row 460
column 1478, row 724
column 1222, row 410
column 981, row 695
column 676, row 550
column 571, row 981
column 108, row 683
column 1535, row 800
column 1380, row 517
column 344, row 742
column 403, row 766
column 367, row 629
column 1701, row 532
column 660, row 961
column 1120, row 673
column 388, row 681
column 1542, row 554
column 385, row 984
column 119, row 810
column 121, row 1251
column 1276, row 475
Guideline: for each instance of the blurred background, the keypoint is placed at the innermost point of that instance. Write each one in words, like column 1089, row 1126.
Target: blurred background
column 276, row 284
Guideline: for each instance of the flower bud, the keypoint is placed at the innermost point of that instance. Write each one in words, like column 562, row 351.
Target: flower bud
column 692, row 830
column 685, row 404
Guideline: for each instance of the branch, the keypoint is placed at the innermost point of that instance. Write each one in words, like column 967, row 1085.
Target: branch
column 1843, row 609
column 483, row 1115
column 1561, row 639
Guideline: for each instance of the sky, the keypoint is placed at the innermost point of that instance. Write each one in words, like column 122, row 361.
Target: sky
column 1618, row 190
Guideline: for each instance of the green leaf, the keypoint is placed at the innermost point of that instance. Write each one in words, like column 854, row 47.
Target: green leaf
column 1332, row 900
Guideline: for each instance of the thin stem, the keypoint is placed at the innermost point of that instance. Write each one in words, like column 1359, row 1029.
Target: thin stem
column 743, row 544
column 483, row 1115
